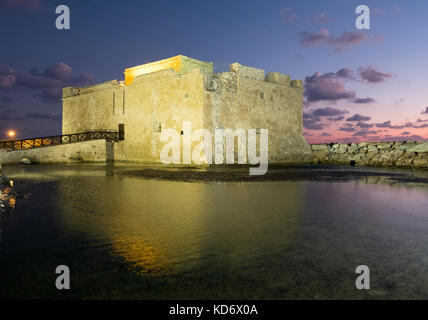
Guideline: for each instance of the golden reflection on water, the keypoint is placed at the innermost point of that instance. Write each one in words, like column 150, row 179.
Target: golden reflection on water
column 6, row 196
column 12, row 202
column 141, row 257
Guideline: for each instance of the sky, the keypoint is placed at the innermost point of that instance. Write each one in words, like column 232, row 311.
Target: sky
column 360, row 85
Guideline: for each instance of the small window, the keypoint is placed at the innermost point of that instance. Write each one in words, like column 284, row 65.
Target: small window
column 262, row 95
column 156, row 126
column 121, row 131
column 186, row 96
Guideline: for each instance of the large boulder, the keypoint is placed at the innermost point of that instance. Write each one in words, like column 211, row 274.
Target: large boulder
column 420, row 147
column 25, row 161
column 319, row 147
column 420, row 163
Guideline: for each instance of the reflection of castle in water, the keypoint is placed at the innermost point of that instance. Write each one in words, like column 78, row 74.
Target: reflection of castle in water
column 158, row 228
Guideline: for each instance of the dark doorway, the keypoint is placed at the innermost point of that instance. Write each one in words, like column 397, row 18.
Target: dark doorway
column 121, row 131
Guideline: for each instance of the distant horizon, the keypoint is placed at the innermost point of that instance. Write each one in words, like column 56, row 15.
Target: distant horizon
column 360, row 85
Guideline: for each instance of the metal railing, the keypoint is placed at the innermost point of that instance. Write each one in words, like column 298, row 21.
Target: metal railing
column 40, row 142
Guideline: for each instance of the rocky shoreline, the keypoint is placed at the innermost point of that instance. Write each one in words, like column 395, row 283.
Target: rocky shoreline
column 404, row 154
column 279, row 173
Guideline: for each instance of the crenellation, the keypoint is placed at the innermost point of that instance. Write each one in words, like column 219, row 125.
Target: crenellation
column 278, row 78
column 247, row 72
column 297, row 84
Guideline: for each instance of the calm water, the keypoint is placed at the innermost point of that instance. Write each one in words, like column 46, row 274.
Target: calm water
column 130, row 238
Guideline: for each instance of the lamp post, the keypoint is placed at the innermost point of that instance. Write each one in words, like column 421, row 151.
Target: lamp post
column 11, row 134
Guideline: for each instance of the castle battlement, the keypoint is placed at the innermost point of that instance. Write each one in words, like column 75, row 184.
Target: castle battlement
column 180, row 65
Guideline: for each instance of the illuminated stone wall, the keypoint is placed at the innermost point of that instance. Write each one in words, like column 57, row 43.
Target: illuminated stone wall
column 90, row 151
column 162, row 95
column 246, row 98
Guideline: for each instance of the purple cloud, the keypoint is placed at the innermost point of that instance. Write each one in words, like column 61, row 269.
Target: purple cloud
column 371, row 75
column 422, row 126
column 48, row 83
column 358, row 118
column 346, row 40
column 389, row 125
column 347, row 128
column 344, row 73
column 425, row 111
column 365, row 125
column 314, row 38
column 340, row 118
column 288, row 14
column 326, row 87
column 60, row 71
column 6, row 99
column 31, row 5
column 363, row 100
column 328, row 112
column 363, row 133
column 7, row 78
column 321, row 17
column 313, row 124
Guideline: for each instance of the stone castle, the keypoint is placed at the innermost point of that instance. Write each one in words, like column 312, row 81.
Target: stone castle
column 163, row 94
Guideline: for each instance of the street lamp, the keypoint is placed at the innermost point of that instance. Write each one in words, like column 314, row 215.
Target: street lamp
column 11, row 134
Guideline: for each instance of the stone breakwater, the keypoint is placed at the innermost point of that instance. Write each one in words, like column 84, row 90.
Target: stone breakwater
column 379, row 154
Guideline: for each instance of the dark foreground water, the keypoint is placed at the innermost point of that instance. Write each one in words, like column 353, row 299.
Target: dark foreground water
column 127, row 238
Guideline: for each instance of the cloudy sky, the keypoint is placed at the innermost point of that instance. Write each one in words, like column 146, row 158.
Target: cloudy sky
column 359, row 84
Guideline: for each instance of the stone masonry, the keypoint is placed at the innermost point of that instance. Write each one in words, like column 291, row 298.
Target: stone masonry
column 163, row 94
column 382, row 154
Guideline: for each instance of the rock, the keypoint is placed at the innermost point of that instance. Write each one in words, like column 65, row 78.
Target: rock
column 352, row 148
column 396, row 154
column 420, row 147
column 420, row 163
column 336, row 146
column 319, row 147
column 342, row 149
column 372, row 150
column 363, row 150
column 363, row 144
column 384, row 145
column 321, row 155
column 371, row 154
column 406, row 145
column 399, row 162
column 25, row 161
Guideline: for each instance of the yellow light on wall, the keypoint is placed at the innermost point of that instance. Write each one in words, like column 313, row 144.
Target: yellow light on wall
column 132, row 73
